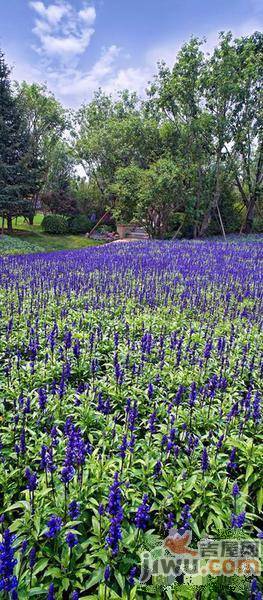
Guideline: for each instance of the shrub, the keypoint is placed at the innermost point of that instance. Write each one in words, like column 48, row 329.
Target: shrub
column 258, row 224
column 80, row 224
column 11, row 245
column 55, row 224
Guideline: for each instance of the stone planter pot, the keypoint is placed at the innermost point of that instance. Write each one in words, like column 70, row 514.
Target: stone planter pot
column 123, row 229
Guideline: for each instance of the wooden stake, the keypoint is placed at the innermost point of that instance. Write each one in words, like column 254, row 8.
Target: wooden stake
column 221, row 222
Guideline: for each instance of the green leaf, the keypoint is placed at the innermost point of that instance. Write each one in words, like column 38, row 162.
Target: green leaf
column 95, row 578
column 249, row 471
column 260, row 499
column 120, row 579
column 41, row 565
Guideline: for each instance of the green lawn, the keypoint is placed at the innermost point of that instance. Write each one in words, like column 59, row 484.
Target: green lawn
column 33, row 234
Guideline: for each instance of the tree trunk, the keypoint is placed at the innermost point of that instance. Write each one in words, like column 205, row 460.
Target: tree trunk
column 247, row 226
column 9, row 224
column 215, row 199
column 31, row 219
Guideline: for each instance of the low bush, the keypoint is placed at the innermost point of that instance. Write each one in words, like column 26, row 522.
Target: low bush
column 11, row 245
column 80, row 224
column 55, row 224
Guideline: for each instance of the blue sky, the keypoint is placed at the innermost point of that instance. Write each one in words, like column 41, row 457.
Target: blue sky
column 75, row 46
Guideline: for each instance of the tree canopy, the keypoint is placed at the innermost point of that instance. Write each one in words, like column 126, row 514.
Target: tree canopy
column 187, row 157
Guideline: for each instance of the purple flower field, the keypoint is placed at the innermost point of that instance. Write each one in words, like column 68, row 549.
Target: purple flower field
column 131, row 391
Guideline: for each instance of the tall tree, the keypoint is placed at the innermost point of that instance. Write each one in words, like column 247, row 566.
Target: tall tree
column 113, row 134
column 233, row 94
column 159, row 196
column 176, row 98
column 46, row 121
column 13, row 150
column 246, row 153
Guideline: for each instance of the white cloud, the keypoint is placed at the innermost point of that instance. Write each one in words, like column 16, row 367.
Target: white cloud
column 88, row 14
column 83, row 84
column 64, row 47
column 134, row 79
column 53, row 13
column 63, row 32
column 64, row 35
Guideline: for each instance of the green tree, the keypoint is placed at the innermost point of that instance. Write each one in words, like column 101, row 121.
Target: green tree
column 126, row 191
column 61, row 168
column 87, row 196
column 176, row 100
column 246, row 152
column 14, row 141
column 114, row 134
column 159, row 196
column 233, row 94
column 46, row 122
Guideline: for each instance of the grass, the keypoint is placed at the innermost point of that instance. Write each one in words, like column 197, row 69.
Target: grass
column 35, row 236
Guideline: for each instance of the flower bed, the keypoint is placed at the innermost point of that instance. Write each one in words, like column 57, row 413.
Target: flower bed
column 130, row 384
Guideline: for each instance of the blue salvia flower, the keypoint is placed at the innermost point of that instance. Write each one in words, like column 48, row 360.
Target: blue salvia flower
column 24, row 546
column 150, row 391
column 23, row 441
column 231, row 465
column 123, row 447
column 71, row 539
column 132, row 575
column 75, row 595
column 114, row 501
column 32, row 557
column 31, row 479
column 254, row 586
column 68, row 339
column 27, row 408
column 235, row 490
column 142, row 516
column 101, row 509
column 152, row 422
column 185, row 517
column 114, row 534
column 170, row 521
column 132, row 416
column 54, row 436
column 204, row 460
column 193, row 394
column 157, row 470
column 8, row 581
column 43, row 456
column 42, row 398
column 107, row 573
column 76, row 349
column 51, row 592
column 116, row 339
column 208, row 349
column 67, row 474
column 256, row 409
column 132, row 444
column 237, row 521
column 54, row 526
column 73, row 510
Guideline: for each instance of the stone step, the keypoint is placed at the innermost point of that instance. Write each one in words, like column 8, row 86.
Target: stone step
column 137, row 236
column 138, row 233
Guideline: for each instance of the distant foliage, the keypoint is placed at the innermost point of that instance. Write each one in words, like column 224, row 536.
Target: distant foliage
column 60, row 202
column 80, row 224
column 55, row 224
